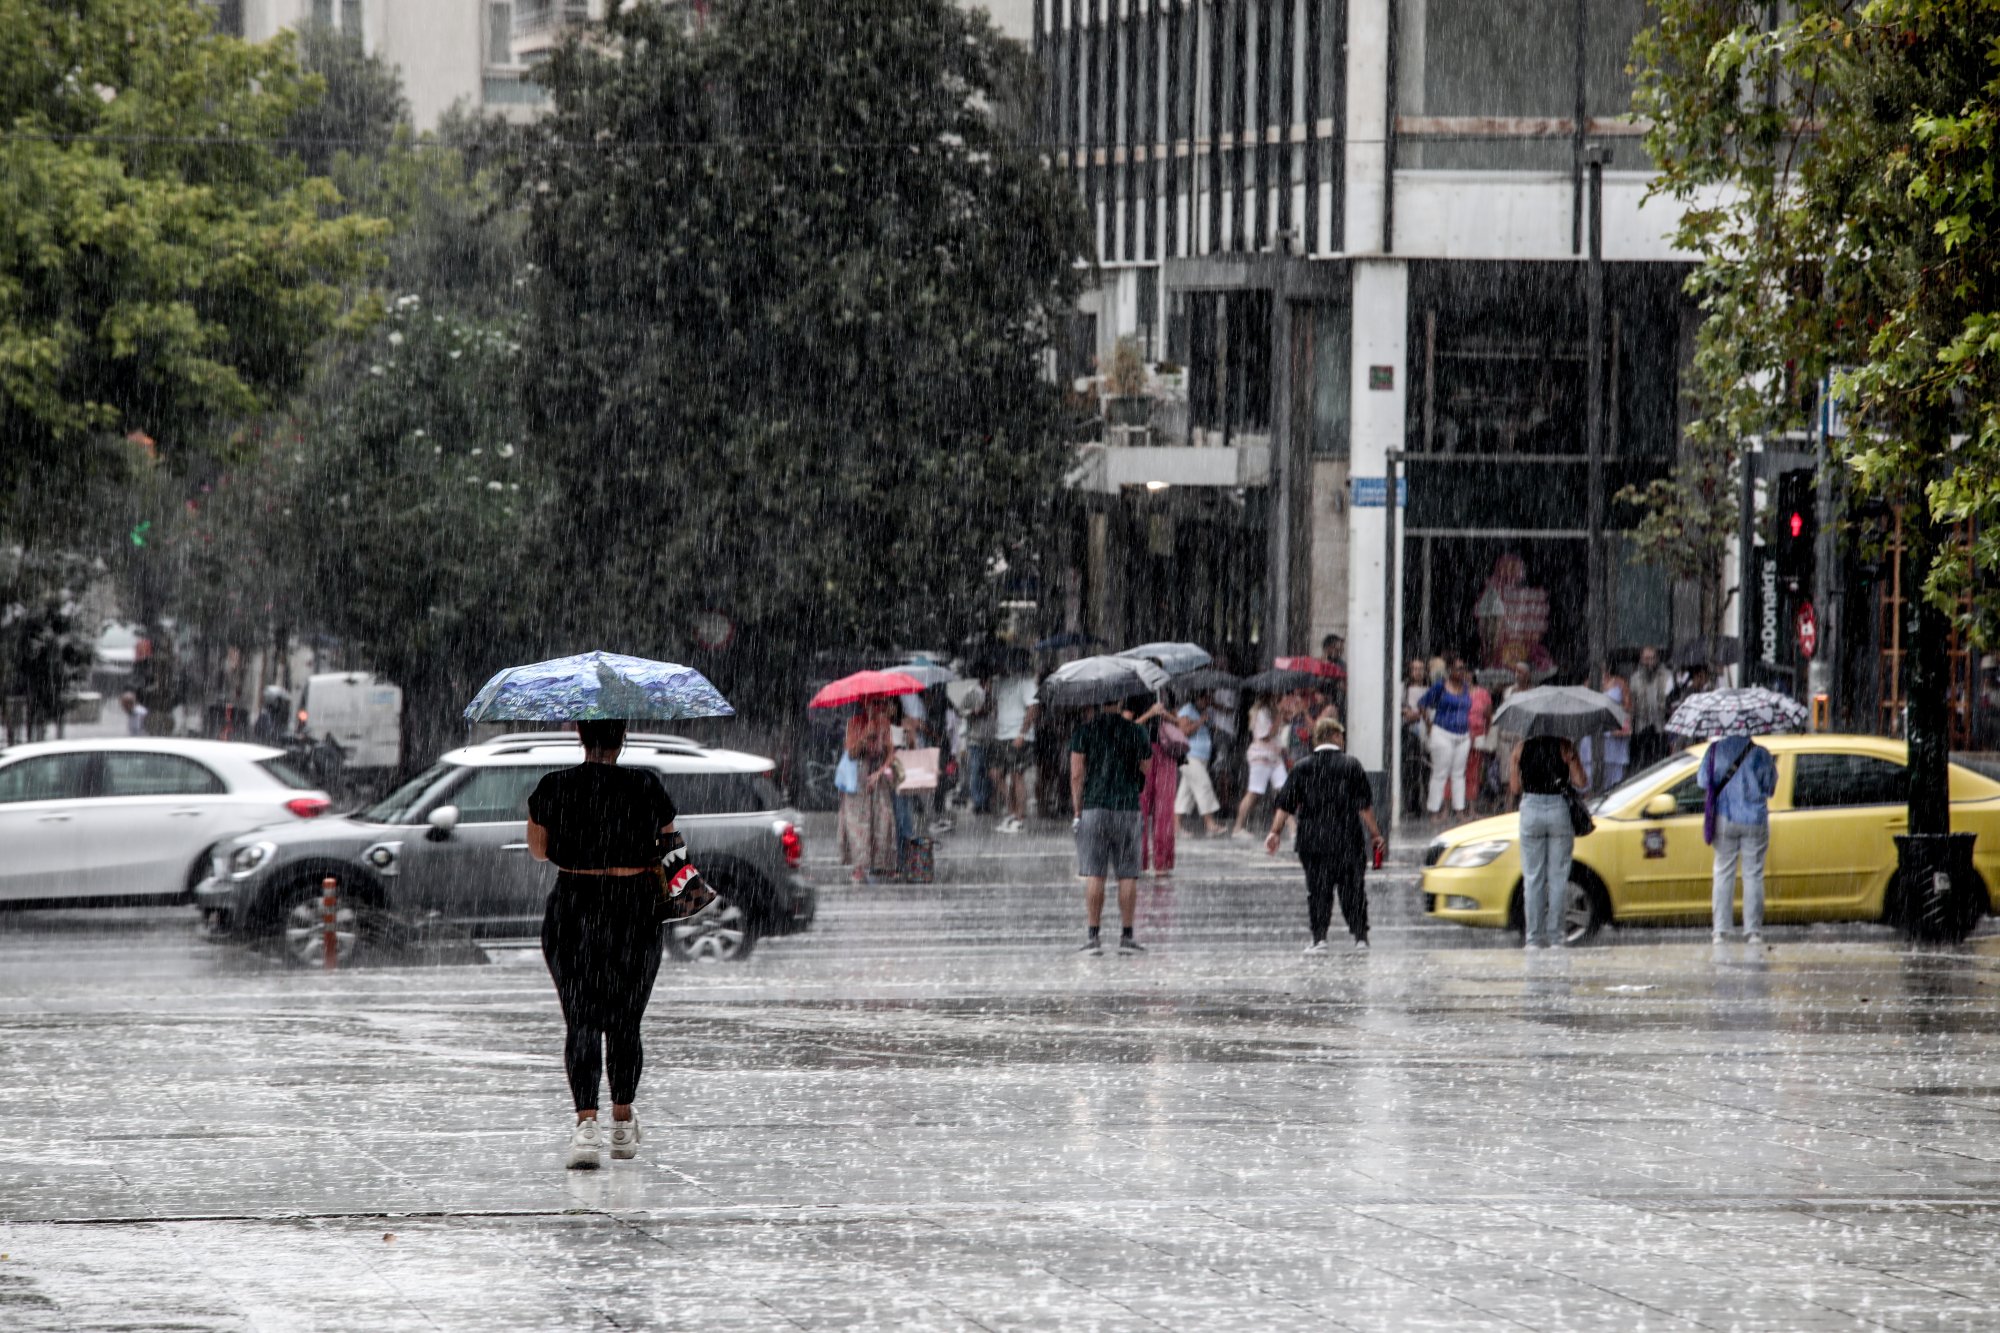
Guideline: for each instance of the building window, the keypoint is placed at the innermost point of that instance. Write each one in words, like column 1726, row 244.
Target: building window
column 322, row 13
column 350, row 17
column 1494, row 86
column 229, row 17
column 500, row 34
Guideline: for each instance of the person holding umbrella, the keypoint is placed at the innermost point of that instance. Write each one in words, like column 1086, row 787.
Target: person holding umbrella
column 1110, row 758
column 1328, row 793
column 604, row 827
column 1545, row 766
column 870, row 831
column 1738, row 776
column 623, row 866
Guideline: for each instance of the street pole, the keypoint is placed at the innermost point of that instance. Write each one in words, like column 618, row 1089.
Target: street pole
column 1392, row 647
column 1595, row 156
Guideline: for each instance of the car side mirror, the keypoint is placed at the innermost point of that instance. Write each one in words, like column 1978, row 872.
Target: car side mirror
column 1662, row 806
column 442, row 821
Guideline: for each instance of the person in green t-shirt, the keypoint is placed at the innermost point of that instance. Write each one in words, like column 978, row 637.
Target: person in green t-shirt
column 1108, row 759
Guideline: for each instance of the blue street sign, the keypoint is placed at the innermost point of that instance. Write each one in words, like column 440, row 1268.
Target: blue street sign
column 1372, row 492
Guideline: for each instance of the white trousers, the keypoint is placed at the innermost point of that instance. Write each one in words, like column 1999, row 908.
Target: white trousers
column 1197, row 791
column 1448, row 751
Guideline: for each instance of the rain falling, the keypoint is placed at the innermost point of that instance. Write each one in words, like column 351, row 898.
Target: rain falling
column 998, row 664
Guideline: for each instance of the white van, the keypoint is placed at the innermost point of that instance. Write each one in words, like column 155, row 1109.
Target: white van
column 360, row 714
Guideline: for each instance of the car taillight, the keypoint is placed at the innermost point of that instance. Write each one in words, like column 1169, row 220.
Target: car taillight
column 308, row 807
column 794, row 845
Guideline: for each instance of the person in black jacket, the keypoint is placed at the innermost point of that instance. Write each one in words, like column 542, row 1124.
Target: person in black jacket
column 1328, row 794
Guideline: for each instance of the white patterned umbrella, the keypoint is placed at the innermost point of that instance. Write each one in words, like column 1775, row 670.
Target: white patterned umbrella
column 1752, row 711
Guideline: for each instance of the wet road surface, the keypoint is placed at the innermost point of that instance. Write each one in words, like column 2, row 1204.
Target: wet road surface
column 930, row 1112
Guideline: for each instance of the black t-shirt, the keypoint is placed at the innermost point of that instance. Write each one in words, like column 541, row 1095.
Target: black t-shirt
column 1113, row 748
column 600, row 816
column 1544, row 771
column 1326, row 793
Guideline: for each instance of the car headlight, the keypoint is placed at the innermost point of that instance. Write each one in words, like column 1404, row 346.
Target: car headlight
column 1467, row 855
column 247, row 860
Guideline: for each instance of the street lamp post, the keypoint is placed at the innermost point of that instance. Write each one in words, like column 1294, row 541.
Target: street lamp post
column 1595, row 156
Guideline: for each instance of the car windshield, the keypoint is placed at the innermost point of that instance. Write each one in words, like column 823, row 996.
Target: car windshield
column 399, row 805
column 1641, row 781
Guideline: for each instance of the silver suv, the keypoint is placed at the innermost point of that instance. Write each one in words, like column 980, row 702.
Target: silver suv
column 451, row 843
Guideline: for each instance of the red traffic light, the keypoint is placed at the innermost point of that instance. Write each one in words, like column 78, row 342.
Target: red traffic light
column 1798, row 523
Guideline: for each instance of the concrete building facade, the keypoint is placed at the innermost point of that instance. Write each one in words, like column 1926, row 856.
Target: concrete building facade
column 1349, row 238
column 450, row 52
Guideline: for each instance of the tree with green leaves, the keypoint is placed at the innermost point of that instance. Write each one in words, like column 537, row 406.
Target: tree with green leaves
column 796, row 270
column 359, row 104
column 1837, row 175
column 414, row 514
column 164, row 268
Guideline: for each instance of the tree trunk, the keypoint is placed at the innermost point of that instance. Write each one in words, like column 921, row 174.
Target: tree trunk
column 1928, row 632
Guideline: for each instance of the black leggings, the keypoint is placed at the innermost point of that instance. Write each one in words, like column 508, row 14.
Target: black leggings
column 601, row 938
column 1331, row 876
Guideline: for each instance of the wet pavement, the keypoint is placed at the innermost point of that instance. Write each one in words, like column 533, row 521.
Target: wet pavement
column 929, row 1112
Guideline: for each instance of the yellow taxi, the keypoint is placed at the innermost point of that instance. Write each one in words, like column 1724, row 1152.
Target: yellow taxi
column 1834, row 817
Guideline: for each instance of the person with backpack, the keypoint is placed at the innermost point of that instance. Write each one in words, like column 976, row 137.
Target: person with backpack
column 1738, row 776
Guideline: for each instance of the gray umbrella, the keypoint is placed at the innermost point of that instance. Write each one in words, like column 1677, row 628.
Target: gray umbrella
column 1177, row 658
column 1559, row 710
column 1101, row 680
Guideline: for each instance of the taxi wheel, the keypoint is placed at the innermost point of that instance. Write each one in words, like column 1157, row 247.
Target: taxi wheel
column 1584, row 913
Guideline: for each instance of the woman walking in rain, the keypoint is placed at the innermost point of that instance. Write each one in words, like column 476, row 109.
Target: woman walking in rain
column 868, row 833
column 1544, row 768
column 606, row 828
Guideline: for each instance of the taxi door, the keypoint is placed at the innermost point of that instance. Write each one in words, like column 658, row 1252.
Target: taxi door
column 1662, row 862
column 1833, row 838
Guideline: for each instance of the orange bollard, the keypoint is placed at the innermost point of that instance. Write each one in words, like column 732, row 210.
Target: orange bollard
column 328, row 906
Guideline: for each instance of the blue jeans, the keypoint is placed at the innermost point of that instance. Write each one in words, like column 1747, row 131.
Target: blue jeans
column 1547, row 840
column 978, row 784
column 1745, row 843
column 906, row 820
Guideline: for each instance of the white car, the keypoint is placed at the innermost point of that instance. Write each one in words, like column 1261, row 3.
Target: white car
column 123, row 821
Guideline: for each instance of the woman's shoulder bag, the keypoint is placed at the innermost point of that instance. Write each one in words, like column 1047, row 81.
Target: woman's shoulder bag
column 1580, row 820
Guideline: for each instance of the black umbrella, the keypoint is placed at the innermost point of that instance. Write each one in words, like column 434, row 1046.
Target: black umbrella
column 1101, row 680
column 1283, row 682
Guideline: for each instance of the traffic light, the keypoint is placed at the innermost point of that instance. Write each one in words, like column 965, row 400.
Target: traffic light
column 1795, row 517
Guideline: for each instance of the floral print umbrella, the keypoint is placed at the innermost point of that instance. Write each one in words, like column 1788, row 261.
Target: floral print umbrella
column 593, row 687
column 1747, row 712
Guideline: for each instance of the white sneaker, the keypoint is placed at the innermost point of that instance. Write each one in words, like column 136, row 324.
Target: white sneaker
column 625, row 1138
column 1753, row 939
column 1719, row 938
column 1008, row 825
column 1361, row 946
column 1317, row 946
column 584, row 1145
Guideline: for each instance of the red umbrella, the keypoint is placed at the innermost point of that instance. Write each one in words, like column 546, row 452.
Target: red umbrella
column 865, row 685
column 1317, row 666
